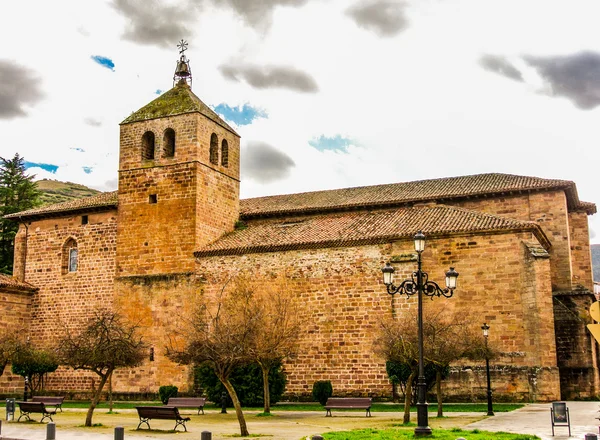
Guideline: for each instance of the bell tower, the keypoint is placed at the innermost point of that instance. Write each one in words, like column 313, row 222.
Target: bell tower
column 178, row 180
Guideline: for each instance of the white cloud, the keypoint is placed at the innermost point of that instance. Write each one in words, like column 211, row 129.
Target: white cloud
column 418, row 104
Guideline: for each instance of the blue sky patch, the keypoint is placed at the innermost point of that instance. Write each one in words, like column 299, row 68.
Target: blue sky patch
column 104, row 62
column 240, row 115
column 81, row 150
column 158, row 92
column 336, row 142
column 45, row 166
column 87, row 170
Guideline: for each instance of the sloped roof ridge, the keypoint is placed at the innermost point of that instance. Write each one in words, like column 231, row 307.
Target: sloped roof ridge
column 102, row 200
column 403, row 192
column 7, row 281
column 337, row 199
column 177, row 101
column 353, row 228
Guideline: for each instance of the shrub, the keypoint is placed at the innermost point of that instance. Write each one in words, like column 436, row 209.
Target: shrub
column 166, row 391
column 247, row 382
column 322, row 390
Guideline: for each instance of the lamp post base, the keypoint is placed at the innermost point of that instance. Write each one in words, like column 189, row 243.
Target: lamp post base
column 423, row 430
column 422, row 420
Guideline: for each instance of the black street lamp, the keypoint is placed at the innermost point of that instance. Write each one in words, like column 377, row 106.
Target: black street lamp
column 486, row 329
column 419, row 284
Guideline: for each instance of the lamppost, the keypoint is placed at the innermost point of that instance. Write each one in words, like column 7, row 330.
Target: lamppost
column 419, row 284
column 486, row 329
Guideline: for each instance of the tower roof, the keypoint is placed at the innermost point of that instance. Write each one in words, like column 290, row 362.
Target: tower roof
column 177, row 101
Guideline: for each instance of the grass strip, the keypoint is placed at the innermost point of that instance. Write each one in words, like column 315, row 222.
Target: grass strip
column 438, row 434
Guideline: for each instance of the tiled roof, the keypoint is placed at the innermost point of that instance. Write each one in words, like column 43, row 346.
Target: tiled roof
column 364, row 197
column 177, row 101
column 360, row 228
column 99, row 201
column 392, row 194
column 11, row 283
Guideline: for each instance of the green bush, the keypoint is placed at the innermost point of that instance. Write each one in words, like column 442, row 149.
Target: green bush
column 247, row 382
column 322, row 390
column 166, row 391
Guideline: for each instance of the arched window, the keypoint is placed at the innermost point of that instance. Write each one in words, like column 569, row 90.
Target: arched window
column 214, row 149
column 169, row 143
column 148, row 146
column 70, row 256
column 224, row 153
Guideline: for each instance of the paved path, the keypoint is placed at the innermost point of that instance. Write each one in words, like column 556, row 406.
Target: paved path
column 294, row 425
column 535, row 419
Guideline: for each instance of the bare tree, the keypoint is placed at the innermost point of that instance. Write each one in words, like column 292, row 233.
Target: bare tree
column 220, row 332
column 397, row 342
column 447, row 338
column 277, row 328
column 107, row 342
column 9, row 343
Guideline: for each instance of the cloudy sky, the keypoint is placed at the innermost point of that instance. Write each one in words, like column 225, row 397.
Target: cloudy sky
column 325, row 93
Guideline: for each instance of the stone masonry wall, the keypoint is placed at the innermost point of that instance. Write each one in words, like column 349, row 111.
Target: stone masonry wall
column 580, row 250
column 195, row 201
column 15, row 310
column 577, row 355
column 65, row 300
column 346, row 298
column 549, row 210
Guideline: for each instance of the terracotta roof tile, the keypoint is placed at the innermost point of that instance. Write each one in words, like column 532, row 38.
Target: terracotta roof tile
column 394, row 194
column 11, row 283
column 401, row 193
column 359, row 228
column 103, row 200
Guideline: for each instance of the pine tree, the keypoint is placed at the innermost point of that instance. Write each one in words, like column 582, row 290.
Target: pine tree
column 18, row 192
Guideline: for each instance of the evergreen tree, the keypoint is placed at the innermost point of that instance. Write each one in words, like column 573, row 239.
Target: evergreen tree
column 18, row 192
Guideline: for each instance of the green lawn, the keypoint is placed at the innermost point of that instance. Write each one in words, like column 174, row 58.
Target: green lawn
column 438, row 434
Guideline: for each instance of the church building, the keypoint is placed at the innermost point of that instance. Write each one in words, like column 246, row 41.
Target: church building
column 172, row 229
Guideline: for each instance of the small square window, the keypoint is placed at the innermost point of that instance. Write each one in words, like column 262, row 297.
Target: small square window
column 153, row 198
column 84, row 219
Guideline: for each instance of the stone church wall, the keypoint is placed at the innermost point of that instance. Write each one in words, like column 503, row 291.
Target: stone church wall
column 549, row 210
column 65, row 300
column 346, row 299
column 576, row 348
column 15, row 310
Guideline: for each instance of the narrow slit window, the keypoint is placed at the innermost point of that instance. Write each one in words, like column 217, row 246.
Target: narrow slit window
column 153, row 198
column 84, row 220
column 73, row 260
column 224, row 153
column 214, row 149
column 70, row 257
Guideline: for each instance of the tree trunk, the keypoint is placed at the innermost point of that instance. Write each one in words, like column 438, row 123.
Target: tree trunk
column 438, row 391
column 266, row 394
column 236, row 403
column 110, row 396
column 408, row 396
column 96, row 398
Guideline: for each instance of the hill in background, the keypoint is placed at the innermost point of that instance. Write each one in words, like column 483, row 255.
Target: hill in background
column 54, row 191
column 596, row 261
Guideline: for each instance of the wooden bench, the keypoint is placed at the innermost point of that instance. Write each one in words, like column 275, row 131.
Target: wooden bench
column 348, row 403
column 188, row 402
column 50, row 400
column 27, row 408
column 161, row 412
